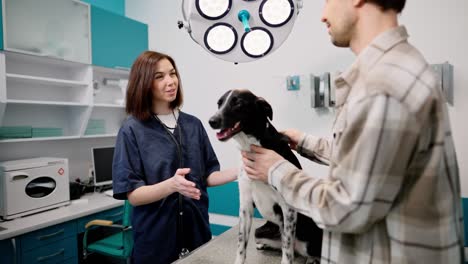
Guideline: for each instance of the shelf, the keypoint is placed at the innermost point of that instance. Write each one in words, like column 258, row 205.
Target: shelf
column 16, row 140
column 44, row 80
column 109, row 105
column 37, row 139
column 100, row 136
column 34, row 102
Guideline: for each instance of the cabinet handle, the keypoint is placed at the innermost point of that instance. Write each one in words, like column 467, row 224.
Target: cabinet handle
column 44, row 237
column 115, row 215
column 43, row 258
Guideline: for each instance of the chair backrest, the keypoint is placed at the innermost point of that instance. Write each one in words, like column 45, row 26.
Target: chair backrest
column 126, row 220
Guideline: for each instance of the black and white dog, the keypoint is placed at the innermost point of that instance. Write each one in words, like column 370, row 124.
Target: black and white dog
column 245, row 117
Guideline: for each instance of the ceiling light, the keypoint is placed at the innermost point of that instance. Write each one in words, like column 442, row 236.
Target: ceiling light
column 261, row 25
column 257, row 43
column 213, row 9
column 276, row 13
column 220, row 38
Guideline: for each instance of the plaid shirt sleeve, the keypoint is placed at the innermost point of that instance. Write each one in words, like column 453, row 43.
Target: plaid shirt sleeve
column 372, row 149
column 314, row 148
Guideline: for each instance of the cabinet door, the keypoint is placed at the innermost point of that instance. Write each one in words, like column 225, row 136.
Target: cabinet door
column 53, row 28
column 116, row 40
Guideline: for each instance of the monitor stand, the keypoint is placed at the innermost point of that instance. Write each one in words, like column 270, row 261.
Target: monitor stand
column 103, row 188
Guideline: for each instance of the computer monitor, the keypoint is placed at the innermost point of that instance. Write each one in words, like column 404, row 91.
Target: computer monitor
column 102, row 165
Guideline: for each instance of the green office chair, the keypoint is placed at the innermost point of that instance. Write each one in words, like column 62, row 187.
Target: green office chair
column 118, row 245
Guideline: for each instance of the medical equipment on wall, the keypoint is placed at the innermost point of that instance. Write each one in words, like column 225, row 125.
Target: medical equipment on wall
column 33, row 185
column 239, row 30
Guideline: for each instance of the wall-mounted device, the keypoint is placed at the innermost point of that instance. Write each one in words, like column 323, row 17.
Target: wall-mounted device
column 293, row 83
column 445, row 73
column 33, row 185
column 322, row 91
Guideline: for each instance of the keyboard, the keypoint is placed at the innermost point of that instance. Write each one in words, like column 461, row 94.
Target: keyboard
column 109, row 193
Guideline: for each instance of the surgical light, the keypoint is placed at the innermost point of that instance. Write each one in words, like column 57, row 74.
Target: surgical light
column 257, row 42
column 239, row 30
column 213, row 9
column 276, row 13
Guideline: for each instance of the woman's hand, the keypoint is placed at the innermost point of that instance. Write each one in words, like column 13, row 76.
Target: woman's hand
column 181, row 185
column 294, row 136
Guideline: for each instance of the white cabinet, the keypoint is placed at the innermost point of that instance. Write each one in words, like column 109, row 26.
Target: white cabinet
column 108, row 108
column 52, row 28
column 58, row 99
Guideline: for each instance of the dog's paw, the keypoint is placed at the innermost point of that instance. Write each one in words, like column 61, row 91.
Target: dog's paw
column 261, row 246
column 312, row 260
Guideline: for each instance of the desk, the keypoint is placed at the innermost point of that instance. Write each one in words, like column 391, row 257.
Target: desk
column 222, row 249
column 31, row 233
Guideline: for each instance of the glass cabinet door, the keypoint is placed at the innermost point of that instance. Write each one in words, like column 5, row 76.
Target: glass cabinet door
column 53, row 28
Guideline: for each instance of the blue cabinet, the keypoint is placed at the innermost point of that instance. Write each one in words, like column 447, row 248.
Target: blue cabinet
column 116, row 40
column 54, row 244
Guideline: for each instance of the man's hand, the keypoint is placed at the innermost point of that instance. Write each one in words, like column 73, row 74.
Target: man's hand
column 294, row 136
column 184, row 187
column 258, row 162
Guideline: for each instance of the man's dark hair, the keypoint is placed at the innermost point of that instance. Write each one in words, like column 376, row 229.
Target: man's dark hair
column 385, row 5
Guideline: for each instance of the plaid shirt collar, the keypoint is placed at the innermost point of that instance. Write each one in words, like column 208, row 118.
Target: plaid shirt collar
column 366, row 60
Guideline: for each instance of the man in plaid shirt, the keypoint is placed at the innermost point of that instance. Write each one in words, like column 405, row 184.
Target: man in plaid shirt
column 392, row 194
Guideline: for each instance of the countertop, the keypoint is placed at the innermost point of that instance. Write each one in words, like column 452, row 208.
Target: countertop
column 222, row 249
column 88, row 204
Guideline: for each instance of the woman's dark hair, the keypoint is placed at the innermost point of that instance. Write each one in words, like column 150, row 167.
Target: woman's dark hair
column 385, row 5
column 140, row 85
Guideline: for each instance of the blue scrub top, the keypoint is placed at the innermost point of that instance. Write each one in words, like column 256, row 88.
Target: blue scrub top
column 145, row 154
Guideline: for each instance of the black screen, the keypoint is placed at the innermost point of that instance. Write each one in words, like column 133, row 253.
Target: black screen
column 103, row 164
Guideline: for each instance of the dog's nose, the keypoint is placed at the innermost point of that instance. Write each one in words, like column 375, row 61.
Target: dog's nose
column 215, row 122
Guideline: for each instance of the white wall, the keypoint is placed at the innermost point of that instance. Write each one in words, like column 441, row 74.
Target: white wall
column 438, row 28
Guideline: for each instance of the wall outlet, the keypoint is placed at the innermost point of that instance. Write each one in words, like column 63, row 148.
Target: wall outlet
column 293, row 83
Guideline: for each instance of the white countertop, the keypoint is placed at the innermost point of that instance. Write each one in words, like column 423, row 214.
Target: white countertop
column 88, row 204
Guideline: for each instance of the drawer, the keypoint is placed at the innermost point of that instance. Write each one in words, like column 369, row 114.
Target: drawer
column 55, row 252
column 114, row 214
column 81, row 222
column 47, row 235
column 73, row 260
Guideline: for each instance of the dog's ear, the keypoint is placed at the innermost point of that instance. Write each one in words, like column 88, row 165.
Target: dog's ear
column 265, row 107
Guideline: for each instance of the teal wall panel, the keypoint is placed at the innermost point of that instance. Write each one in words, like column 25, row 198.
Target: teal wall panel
column 116, row 6
column 465, row 219
column 216, row 230
column 116, row 40
column 224, row 200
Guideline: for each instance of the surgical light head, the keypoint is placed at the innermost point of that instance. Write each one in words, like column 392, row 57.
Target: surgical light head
column 239, row 30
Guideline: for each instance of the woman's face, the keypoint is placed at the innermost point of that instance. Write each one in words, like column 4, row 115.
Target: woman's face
column 165, row 83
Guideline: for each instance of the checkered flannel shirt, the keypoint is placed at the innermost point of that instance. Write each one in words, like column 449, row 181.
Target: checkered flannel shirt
column 393, row 193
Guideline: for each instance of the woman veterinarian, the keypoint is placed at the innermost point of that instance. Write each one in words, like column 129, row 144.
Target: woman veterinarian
column 163, row 164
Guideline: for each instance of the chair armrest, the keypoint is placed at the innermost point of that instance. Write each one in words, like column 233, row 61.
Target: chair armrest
column 98, row 222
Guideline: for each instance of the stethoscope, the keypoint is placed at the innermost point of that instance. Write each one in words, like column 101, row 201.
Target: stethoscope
column 183, row 251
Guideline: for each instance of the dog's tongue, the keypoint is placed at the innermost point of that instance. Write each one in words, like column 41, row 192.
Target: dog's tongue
column 225, row 133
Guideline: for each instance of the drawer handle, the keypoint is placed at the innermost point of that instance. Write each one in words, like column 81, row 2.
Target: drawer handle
column 43, row 258
column 44, row 237
column 115, row 215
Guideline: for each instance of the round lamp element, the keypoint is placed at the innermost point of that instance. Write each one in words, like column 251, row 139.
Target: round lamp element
column 220, row 38
column 213, row 9
column 257, row 43
column 276, row 13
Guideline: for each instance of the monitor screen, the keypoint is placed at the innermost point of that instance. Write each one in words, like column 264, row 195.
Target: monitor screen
column 102, row 163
